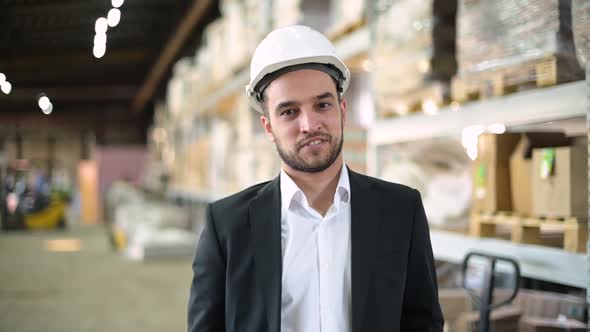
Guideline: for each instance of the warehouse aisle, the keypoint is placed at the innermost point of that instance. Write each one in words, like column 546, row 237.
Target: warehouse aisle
column 92, row 289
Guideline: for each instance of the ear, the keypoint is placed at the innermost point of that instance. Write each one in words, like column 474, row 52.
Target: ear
column 343, row 111
column 267, row 127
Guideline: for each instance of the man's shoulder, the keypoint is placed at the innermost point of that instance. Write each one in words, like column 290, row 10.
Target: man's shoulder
column 239, row 199
column 380, row 185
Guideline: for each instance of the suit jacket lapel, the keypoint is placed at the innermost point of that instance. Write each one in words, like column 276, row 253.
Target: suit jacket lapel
column 364, row 222
column 265, row 222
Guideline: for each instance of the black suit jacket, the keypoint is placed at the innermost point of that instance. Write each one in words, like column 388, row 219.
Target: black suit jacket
column 238, row 264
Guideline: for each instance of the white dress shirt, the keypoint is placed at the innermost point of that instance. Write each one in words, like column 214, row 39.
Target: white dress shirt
column 316, row 260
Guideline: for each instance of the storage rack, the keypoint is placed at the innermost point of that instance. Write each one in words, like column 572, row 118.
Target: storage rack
column 559, row 106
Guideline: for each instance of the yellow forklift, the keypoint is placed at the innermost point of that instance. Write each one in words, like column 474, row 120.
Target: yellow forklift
column 25, row 209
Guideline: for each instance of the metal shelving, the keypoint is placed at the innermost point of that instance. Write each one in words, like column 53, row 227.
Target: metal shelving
column 529, row 107
column 537, row 262
column 517, row 111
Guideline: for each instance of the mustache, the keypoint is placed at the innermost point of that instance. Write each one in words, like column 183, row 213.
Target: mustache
column 312, row 136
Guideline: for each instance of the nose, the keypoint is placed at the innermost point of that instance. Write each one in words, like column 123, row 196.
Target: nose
column 309, row 122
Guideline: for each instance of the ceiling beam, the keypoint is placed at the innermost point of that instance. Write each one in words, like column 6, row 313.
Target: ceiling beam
column 62, row 18
column 31, row 7
column 117, row 56
column 173, row 46
column 66, row 94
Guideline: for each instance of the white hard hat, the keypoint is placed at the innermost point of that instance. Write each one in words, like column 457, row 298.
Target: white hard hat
column 292, row 46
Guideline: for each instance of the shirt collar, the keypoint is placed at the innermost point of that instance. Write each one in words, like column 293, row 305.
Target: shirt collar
column 290, row 190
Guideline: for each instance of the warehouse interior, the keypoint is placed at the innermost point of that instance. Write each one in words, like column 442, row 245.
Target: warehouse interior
column 120, row 120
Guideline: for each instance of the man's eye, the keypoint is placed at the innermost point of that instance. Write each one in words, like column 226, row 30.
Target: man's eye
column 287, row 112
column 324, row 105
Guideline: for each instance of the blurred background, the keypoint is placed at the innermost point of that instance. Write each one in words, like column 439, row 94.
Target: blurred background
column 120, row 120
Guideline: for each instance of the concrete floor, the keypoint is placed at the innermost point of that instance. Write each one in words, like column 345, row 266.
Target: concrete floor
column 93, row 289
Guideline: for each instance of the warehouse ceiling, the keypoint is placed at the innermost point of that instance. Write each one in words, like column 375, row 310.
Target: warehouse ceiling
column 46, row 46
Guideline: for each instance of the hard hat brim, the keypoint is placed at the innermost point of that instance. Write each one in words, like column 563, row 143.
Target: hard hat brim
column 328, row 60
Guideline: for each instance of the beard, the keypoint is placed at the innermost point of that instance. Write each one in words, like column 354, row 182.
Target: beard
column 297, row 163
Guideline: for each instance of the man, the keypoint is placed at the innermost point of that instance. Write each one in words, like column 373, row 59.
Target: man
column 320, row 247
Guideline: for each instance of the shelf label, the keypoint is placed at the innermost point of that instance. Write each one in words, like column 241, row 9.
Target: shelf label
column 480, row 181
column 548, row 163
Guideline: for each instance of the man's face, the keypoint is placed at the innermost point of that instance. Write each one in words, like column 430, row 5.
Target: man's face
column 305, row 120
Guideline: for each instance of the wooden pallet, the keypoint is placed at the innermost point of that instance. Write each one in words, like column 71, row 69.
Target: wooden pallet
column 414, row 101
column 532, row 230
column 337, row 32
column 505, row 80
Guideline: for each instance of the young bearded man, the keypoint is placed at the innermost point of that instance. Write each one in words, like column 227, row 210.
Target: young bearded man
column 320, row 247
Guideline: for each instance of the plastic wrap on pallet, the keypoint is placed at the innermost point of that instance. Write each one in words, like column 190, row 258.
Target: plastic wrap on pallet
column 177, row 87
column 440, row 170
column 413, row 48
column 286, row 12
column 235, row 39
column 347, row 12
column 493, row 34
column 581, row 27
column 258, row 22
column 215, row 40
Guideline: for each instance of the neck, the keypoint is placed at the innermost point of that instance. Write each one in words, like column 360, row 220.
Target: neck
column 319, row 188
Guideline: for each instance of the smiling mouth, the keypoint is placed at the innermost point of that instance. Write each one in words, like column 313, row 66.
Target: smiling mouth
column 313, row 142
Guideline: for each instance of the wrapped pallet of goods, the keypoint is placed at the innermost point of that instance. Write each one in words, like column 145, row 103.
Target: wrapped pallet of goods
column 286, row 13
column 199, row 76
column 439, row 170
column 235, row 38
column 266, row 162
column 581, row 27
column 197, row 164
column 245, row 121
column 413, row 56
column 346, row 16
column 258, row 22
column 216, row 41
column 508, row 46
column 178, row 87
column 222, row 135
column 354, row 148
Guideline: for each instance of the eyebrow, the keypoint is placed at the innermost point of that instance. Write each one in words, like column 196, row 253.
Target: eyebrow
column 324, row 96
column 284, row 104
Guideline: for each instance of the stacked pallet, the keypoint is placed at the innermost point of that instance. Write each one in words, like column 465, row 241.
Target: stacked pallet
column 532, row 186
column 413, row 56
column 581, row 27
column 507, row 46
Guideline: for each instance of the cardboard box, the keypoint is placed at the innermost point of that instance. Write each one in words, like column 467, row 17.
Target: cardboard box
column 537, row 324
column 550, row 305
column 563, row 190
column 491, row 173
column 521, row 167
column 454, row 302
column 501, row 320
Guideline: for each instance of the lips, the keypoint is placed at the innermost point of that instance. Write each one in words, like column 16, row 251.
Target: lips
column 316, row 140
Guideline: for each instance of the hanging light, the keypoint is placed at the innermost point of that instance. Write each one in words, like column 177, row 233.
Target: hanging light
column 99, row 50
column 100, row 38
column 48, row 110
column 114, row 17
column 117, row 3
column 101, row 25
column 6, row 87
column 2, row 78
column 44, row 102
